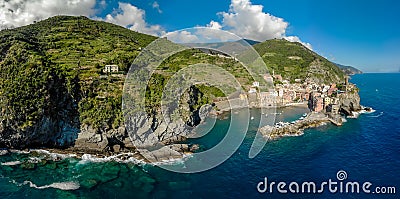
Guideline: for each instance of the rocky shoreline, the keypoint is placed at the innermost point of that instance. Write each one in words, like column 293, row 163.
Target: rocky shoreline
column 312, row 120
column 295, row 128
column 175, row 152
column 105, row 143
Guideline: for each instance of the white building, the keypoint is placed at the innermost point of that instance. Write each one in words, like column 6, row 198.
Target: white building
column 111, row 69
column 252, row 90
column 280, row 93
column 256, row 84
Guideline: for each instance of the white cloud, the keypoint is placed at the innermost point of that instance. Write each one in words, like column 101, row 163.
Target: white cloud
column 103, row 3
column 15, row 13
column 157, row 7
column 182, row 37
column 297, row 39
column 214, row 25
column 249, row 21
column 133, row 18
column 213, row 34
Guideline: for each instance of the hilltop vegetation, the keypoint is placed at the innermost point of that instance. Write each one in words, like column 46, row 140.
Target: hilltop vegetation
column 295, row 61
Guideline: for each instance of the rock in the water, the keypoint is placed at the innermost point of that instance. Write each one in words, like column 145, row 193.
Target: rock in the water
column 28, row 166
column 88, row 183
column 194, row 148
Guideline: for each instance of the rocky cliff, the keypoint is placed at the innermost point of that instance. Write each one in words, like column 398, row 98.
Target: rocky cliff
column 350, row 102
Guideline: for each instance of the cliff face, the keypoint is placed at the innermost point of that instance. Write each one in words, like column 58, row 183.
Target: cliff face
column 37, row 109
column 350, row 102
column 156, row 128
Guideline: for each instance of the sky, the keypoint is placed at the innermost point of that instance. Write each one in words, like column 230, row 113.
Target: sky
column 363, row 34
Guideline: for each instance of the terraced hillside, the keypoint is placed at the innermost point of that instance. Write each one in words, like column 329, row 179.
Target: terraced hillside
column 295, row 61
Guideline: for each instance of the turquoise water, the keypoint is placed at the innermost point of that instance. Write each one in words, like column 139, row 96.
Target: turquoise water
column 366, row 148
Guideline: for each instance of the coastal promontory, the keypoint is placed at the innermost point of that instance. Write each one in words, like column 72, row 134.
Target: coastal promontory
column 62, row 80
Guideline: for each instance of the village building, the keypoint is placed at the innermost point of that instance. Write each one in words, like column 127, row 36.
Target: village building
column 252, row 90
column 278, row 77
column 256, row 84
column 333, row 108
column 318, row 104
column 297, row 80
column 111, row 69
column 327, row 101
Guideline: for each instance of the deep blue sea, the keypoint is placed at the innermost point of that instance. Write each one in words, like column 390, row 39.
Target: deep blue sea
column 367, row 149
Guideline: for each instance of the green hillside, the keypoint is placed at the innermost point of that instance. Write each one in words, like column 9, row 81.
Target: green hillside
column 294, row 61
column 54, row 68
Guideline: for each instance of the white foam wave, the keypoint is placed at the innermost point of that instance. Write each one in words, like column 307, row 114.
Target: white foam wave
column 3, row 152
column 376, row 116
column 173, row 161
column 56, row 185
column 55, row 156
column 86, row 158
column 364, row 111
column 12, row 163
column 19, row 152
column 34, row 160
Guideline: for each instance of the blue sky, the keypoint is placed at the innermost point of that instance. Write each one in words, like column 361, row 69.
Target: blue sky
column 364, row 34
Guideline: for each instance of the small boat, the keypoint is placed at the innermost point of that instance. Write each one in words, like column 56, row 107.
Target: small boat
column 252, row 118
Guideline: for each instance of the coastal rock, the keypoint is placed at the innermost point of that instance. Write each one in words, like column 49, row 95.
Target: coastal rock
column 204, row 111
column 182, row 148
column 163, row 130
column 194, row 148
column 294, row 129
column 349, row 102
column 62, row 133
column 163, row 153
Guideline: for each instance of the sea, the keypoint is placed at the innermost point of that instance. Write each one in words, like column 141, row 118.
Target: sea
column 365, row 150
